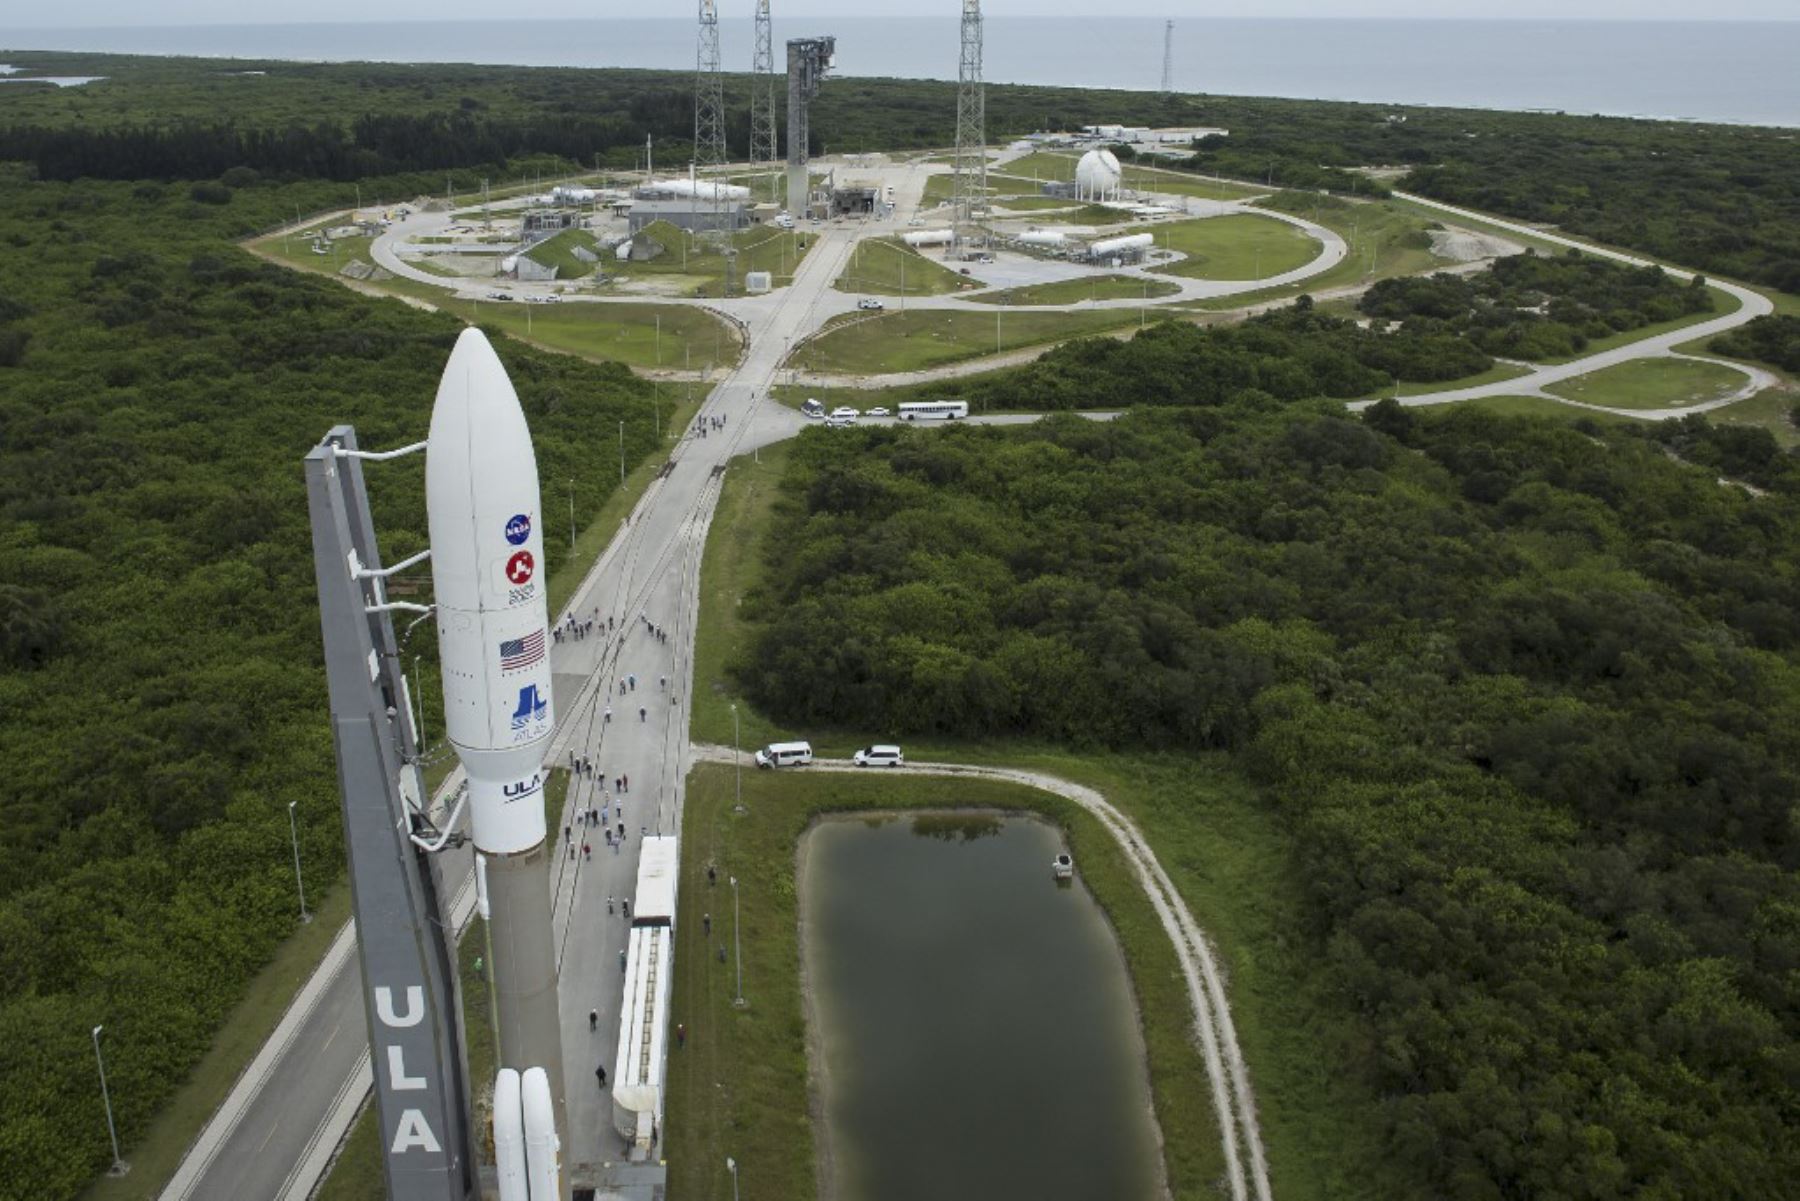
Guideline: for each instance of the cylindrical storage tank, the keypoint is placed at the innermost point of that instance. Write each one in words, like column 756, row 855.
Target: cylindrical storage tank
column 623, row 252
column 509, row 1137
column 1129, row 242
column 1043, row 237
column 928, row 237
column 543, row 1159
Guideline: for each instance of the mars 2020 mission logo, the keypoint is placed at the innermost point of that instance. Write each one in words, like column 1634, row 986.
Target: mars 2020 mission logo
column 519, row 568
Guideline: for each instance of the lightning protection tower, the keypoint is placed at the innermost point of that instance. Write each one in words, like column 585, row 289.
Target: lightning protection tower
column 1168, row 82
column 762, row 91
column 970, row 184
column 709, row 92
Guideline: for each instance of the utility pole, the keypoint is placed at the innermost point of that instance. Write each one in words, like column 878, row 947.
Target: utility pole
column 571, row 516
column 737, row 757
column 300, row 884
column 621, row 454
column 119, row 1166
column 737, row 944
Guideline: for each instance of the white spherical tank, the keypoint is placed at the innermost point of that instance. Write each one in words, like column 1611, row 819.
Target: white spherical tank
column 1098, row 173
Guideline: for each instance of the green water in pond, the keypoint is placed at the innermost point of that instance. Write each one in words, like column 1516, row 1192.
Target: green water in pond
column 974, row 1018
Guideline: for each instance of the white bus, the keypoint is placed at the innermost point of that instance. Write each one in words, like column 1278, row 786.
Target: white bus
column 933, row 410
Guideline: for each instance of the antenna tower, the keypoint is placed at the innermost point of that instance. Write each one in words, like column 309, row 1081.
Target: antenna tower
column 970, row 192
column 1168, row 87
column 709, row 92
column 762, row 91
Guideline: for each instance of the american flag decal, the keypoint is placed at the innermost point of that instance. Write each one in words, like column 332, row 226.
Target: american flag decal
column 522, row 652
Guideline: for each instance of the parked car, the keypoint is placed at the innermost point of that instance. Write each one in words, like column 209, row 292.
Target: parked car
column 880, row 755
column 869, row 302
column 846, row 411
column 877, row 411
column 499, row 296
column 838, row 423
column 785, row 754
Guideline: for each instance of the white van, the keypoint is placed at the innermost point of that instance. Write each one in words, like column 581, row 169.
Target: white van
column 879, row 755
column 812, row 408
column 785, row 754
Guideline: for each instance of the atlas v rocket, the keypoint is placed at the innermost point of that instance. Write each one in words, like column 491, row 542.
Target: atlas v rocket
column 487, row 558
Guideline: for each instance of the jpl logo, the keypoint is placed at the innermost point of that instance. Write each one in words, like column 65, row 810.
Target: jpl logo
column 518, row 529
column 532, row 708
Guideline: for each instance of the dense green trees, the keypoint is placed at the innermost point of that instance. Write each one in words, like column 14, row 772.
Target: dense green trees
column 1526, row 695
column 1531, row 306
column 1289, row 354
column 159, row 643
column 1774, row 339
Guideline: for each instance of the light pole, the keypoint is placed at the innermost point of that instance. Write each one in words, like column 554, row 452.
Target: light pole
column 119, row 1166
column 294, row 832
column 571, row 515
column 621, row 454
column 737, row 944
column 731, row 1166
column 737, row 758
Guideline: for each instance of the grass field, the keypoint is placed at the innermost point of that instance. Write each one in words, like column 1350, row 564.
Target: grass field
column 918, row 339
column 559, row 251
column 1770, row 410
column 1652, row 384
column 639, row 335
column 886, row 267
column 1225, row 851
column 1542, row 406
column 1073, row 291
column 699, row 266
column 1239, row 246
column 1384, row 242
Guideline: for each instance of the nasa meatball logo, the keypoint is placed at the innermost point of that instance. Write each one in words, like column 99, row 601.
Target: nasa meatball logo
column 518, row 529
column 520, row 567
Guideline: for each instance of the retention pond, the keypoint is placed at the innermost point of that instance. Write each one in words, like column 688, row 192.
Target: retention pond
column 973, row 1029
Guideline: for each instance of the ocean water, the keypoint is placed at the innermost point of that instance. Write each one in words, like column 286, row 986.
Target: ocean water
column 1740, row 72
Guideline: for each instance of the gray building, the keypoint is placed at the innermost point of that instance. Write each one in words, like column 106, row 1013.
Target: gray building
column 695, row 216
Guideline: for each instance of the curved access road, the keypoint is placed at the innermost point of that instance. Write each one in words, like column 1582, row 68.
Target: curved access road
column 1751, row 304
column 1232, row 1098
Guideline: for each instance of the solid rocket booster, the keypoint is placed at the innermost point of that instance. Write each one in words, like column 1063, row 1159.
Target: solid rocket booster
column 487, row 565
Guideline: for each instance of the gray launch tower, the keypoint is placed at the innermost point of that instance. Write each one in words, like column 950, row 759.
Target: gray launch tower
column 809, row 60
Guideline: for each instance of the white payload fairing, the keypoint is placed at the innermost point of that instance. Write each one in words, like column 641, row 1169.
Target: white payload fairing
column 487, row 561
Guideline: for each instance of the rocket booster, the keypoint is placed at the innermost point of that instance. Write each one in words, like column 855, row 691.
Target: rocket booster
column 487, row 562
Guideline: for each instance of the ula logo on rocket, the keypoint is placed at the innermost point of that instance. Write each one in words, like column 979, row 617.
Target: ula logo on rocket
column 518, row 529
column 522, row 788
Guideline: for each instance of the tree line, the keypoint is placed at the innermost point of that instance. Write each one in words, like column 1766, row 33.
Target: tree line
column 1524, row 697
column 1532, row 306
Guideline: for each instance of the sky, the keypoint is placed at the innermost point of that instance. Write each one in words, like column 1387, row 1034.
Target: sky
column 236, row 12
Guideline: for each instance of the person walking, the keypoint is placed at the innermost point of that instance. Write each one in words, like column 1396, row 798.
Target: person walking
column 593, row 1019
column 609, row 900
column 643, row 713
column 621, row 960
column 705, row 920
column 587, row 852
column 600, row 1072
column 680, row 1034
column 627, row 780
column 626, row 906
column 608, row 719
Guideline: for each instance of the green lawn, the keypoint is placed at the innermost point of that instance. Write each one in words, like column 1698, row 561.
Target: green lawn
column 1029, row 204
column 888, row 267
column 296, row 249
column 939, row 189
column 700, row 266
column 1771, row 410
column 926, row 338
column 639, row 335
column 1240, row 246
column 1224, row 849
column 1542, row 406
column 1652, row 384
column 1073, row 291
column 1384, row 239
column 559, row 252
